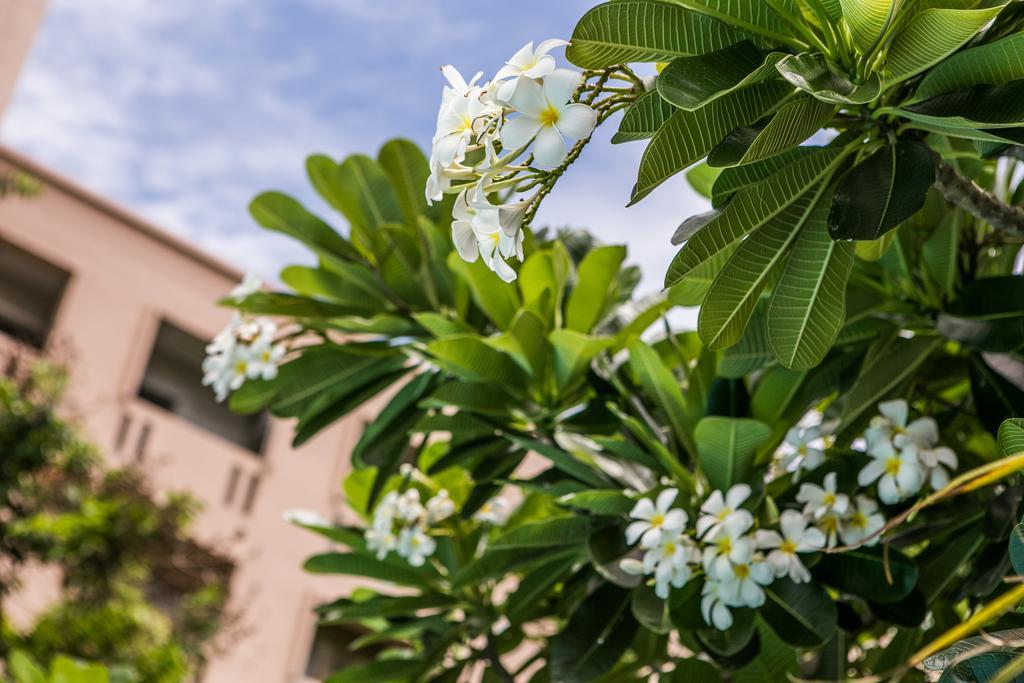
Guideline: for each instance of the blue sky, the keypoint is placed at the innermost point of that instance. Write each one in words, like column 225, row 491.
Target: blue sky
column 184, row 110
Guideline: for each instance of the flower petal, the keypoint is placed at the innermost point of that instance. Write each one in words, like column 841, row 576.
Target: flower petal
column 737, row 495
column 576, row 121
column 529, row 98
column 872, row 471
column 465, row 240
column 549, row 148
column 895, row 411
column 517, row 132
column 559, row 86
column 665, row 500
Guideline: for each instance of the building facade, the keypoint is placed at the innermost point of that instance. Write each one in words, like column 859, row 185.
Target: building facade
column 128, row 308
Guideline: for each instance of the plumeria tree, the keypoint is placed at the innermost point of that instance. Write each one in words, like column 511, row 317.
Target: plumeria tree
column 820, row 482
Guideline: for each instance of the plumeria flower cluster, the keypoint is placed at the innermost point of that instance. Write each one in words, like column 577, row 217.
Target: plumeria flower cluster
column 401, row 523
column 737, row 560
column 246, row 349
column 802, row 450
column 506, row 134
column 904, row 456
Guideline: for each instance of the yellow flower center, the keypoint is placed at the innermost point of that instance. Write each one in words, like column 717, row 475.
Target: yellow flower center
column 467, row 124
column 725, row 545
column 241, row 366
column 742, row 571
column 549, row 116
column 829, row 524
column 802, row 450
column 829, row 499
column 670, row 548
column 788, row 547
column 892, row 466
column 725, row 512
column 859, row 520
column 657, row 521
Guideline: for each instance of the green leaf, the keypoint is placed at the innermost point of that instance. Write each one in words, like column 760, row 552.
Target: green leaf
column 650, row 610
column 563, row 461
column 931, row 36
column 695, row 671
column 281, row 213
column 866, row 572
column 881, row 378
column 882, row 191
column 1011, row 436
column 801, row 614
column 535, row 586
column 596, row 288
column 996, row 63
column 380, row 671
column 687, row 136
column 559, row 531
column 734, row 293
column 474, row 360
column 1017, row 548
column 596, row 636
column 661, row 385
column 774, row 662
column 813, row 73
column 24, row 669
column 701, row 178
column 356, row 289
column 726, row 447
column 868, row 19
column 573, row 353
column 393, row 422
column 941, row 253
column 752, row 352
column 606, row 503
column 407, row 169
column 692, row 82
column 984, row 667
column 791, row 125
column 350, row 564
column 644, row 31
column 757, row 18
column 981, row 106
column 643, row 118
column 808, row 306
column 736, row 178
column 752, row 208
column 326, row 372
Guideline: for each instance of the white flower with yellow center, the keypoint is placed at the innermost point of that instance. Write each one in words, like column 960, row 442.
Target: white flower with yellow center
column 742, row 587
column 794, row 538
column 864, row 521
column 495, row 511
column 440, row 507
column 804, row 450
column 819, row 501
column 719, row 508
column 415, row 545
column 891, row 425
column 938, row 463
column 548, row 117
column 899, row 474
column 526, row 63
column 264, row 358
column 477, row 233
column 656, row 520
column 713, row 608
column 729, row 545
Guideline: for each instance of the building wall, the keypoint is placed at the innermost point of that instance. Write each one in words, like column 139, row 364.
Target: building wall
column 19, row 20
column 125, row 277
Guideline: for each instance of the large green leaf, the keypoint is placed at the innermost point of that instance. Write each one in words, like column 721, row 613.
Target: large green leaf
column 661, row 385
column 596, row 287
column 595, row 637
column 643, row 118
column 351, row 564
column 801, row 614
column 474, row 360
column 349, row 284
column 735, row 292
column 882, row 191
column 733, row 179
column 534, row 587
column 752, row 208
column 869, row 573
column 931, row 36
column 644, row 31
column 881, row 378
column 980, row 106
column 988, row 314
column 498, row 300
column 689, row 135
column 752, row 352
column 726, row 447
column 757, row 18
column 279, row 212
column 813, row 73
column 573, row 352
column 868, row 19
column 379, row 671
column 560, row 531
column 996, row 63
column 692, row 82
column 791, row 125
column 808, row 306
column 407, row 168
column 1011, row 436
column 775, row 660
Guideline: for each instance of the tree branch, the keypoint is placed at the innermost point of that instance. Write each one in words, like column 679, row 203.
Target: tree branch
column 490, row 651
column 975, row 200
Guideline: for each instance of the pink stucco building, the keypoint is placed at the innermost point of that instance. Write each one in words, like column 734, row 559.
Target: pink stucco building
column 129, row 307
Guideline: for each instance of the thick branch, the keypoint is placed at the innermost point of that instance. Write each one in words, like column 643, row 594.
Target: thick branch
column 975, row 200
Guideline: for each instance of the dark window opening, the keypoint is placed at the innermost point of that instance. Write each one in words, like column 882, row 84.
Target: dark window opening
column 173, row 381
column 30, row 292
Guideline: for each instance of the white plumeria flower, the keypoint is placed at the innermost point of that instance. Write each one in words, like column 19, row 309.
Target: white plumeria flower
column 743, row 587
column 864, row 521
column 304, row 517
column 805, row 449
column 244, row 350
column 656, row 520
column 264, row 359
column 477, row 232
column 409, row 508
column 494, row 511
column 717, row 509
column 250, row 284
column 669, row 575
column 935, row 462
column 526, row 63
column 547, row 116
column 415, row 545
column 821, row 500
column 729, row 545
column 716, row 613
column 380, row 541
column 829, row 526
column 899, row 473
column 440, row 507
column 892, row 425
column 669, row 561
column 794, row 538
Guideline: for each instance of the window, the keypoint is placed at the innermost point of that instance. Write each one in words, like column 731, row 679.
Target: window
column 30, row 292
column 173, row 381
column 330, row 651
